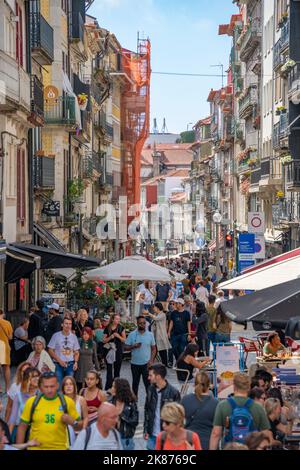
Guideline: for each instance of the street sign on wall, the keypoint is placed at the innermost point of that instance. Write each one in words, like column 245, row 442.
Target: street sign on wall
column 246, row 250
column 260, row 247
column 256, row 222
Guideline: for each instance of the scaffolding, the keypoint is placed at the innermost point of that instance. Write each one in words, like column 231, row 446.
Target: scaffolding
column 135, row 119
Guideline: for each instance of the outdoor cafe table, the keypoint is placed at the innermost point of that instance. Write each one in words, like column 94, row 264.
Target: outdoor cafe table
column 270, row 363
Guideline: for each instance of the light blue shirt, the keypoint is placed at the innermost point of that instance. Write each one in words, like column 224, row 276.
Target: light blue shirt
column 142, row 355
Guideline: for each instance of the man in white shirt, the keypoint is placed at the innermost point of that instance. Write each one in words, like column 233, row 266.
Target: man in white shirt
column 101, row 435
column 220, row 298
column 64, row 350
column 202, row 293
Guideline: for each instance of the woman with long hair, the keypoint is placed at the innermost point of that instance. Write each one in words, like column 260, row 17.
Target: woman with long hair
column 29, row 387
column 125, row 401
column 224, row 327
column 82, row 321
column 159, row 329
column 15, row 387
column 69, row 389
column 187, row 362
column 93, row 394
column 174, row 436
column 200, row 408
column 88, row 358
column 114, row 338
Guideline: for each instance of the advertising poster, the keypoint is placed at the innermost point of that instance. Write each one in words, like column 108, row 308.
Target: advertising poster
column 227, row 362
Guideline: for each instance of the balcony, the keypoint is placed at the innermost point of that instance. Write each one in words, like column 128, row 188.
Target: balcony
column 15, row 85
column 42, row 42
column 61, row 112
column 81, row 87
column 285, row 37
column 37, row 101
column 278, row 58
column 92, row 164
column 250, row 39
column 292, row 172
column 76, row 27
column 284, row 125
column 248, row 102
column 104, row 128
column 43, row 173
column 84, row 134
column 271, row 172
column 294, row 84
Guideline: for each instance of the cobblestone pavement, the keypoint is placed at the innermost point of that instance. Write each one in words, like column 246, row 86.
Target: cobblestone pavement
column 171, row 377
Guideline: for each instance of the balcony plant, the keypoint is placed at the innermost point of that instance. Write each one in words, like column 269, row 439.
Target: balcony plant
column 82, row 99
column 280, row 195
column 75, row 189
column 286, row 159
column 287, row 67
column 252, row 162
column 280, row 110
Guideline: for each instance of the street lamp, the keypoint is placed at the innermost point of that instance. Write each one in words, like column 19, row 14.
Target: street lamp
column 168, row 247
column 217, row 218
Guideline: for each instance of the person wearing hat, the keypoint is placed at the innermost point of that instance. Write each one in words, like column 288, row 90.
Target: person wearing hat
column 179, row 330
column 54, row 324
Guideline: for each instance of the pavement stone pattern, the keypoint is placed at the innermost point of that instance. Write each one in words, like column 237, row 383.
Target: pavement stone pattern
column 140, row 444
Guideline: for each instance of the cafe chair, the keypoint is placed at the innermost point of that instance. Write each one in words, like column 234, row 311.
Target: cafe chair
column 250, row 345
column 185, row 385
column 292, row 343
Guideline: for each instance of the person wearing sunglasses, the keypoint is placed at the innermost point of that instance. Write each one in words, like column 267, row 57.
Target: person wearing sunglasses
column 174, row 436
column 141, row 343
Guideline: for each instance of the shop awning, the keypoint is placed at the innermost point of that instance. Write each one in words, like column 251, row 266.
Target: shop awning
column 274, row 305
column 19, row 263
column 51, row 259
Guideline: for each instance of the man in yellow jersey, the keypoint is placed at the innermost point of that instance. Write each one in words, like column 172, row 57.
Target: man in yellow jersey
column 49, row 416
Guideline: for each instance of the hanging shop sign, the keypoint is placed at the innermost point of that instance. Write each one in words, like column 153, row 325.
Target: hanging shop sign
column 51, row 208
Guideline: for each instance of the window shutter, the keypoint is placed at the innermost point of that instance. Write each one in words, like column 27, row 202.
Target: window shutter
column 18, row 184
column 17, row 35
column 21, row 61
column 23, row 192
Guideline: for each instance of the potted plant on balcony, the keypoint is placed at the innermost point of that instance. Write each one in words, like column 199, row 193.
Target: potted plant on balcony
column 280, row 195
column 287, row 67
column 286, row 159
column 82, row 99
column 280, row 110
column 252, row 162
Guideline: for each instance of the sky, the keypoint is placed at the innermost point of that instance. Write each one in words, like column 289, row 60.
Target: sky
column 184, row 38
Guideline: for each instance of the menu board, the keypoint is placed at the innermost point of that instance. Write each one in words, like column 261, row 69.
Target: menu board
column 227, row 363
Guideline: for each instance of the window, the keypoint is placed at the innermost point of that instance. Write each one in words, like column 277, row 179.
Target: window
column 21, row 193
column 9, row 38
column 278, row 85
column 65, row 6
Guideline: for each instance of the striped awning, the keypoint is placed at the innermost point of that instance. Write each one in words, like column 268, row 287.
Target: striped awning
column 212, row 245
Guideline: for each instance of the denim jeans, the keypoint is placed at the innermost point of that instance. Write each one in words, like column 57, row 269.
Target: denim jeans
column 128, row 444
column 179, row 343
column 222, row 338
column 151, row 443
column 62, row 372
column 211, row 338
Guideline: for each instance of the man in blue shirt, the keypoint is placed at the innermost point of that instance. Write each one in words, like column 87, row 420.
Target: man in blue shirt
column 141, row 343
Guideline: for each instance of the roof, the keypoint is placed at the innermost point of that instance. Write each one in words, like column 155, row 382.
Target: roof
column 172, row 154
column 212, row 94
column 178, row 197
column 203, row 122
column 228, row 28
column 181, row 173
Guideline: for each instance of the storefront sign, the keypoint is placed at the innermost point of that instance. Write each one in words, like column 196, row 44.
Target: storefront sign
column 51, row 93
column 227, row 363
column 51, row 208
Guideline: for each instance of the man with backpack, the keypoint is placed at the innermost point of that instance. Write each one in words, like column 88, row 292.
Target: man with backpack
column 47, row 416
column 238, row 416
column 102, row 434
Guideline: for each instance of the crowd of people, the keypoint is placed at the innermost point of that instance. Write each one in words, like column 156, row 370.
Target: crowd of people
column 57, row 399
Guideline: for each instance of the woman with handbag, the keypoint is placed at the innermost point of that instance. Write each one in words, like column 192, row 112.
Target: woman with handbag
column 200, row 409
column 125, row 402
column 113, row 338
column 159, row 329
column 6, row 335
